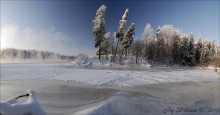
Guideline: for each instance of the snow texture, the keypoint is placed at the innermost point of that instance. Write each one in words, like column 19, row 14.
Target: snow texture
column 121, row 102
column 107, row 76
column 12, row 107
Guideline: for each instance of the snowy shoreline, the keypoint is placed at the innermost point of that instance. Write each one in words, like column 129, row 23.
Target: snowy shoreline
column 106, row 77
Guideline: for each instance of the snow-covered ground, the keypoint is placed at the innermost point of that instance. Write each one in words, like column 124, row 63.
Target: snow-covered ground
column 68, row 89
column 105, row 76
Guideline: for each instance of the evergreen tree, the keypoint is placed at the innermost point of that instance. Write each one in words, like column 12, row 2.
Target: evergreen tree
column 148, row 36
column 105, row 44
column 151, row 50
column 208, row 52
column 213, row 48
column 120, row 33
column 198, row 50
column 99, row 28
column 160, row 47
column 138, row 47
column 184, row 51
column 203, row 55
column 191, row 51
column 128, row 39
column 175, row 50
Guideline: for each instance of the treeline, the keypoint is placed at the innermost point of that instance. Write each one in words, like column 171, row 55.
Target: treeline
column 19, row 54
column 168, row 47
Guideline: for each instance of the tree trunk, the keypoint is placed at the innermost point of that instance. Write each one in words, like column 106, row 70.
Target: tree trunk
column 116, row 48
column 106, row 55
column 136, row 59
column 122, row 53
column 126, row 53
column 99, row 53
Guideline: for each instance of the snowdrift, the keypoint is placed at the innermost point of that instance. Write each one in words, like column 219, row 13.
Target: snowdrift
column 13, row 107
column 93, row 61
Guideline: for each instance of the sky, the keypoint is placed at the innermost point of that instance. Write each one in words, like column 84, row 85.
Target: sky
column 66, row 26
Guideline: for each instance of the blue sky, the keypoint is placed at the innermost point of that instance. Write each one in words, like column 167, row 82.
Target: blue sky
column 66, row 26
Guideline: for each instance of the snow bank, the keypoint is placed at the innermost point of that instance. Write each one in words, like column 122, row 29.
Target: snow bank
column 93, row 61
column 32, row 106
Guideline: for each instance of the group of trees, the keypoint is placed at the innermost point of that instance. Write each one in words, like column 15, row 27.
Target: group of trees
column 168, row 47
column 102, row 38
column 171, row 46
column 11, row 53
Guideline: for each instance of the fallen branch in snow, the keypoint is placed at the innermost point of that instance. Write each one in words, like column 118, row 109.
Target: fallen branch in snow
column 32, row 106
column 25, row 95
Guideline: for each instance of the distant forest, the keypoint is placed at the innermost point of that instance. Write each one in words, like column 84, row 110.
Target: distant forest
column 19, row 54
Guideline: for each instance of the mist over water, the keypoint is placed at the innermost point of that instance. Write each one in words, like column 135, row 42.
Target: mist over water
column 11, row 55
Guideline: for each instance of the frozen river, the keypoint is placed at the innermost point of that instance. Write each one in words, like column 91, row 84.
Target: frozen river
column 57, row 97
column 65, row 90
column 66, row 98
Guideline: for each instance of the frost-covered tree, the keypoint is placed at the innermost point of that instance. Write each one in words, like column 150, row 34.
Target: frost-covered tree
column 191, row 51
column 213, row 48
column 149, row 39
column 198, row 50
column 151, row 50
column 175, row 52
column 105, row 45
column 217, row 56
column 203, row 59
column 120, row 33
column 168, row 33
column 160, row 47
column 218, row 50
column 184, row 51
column 138, row 48
column 213, row 54
column 99, row 28
column 208, row 52
column 128, row 38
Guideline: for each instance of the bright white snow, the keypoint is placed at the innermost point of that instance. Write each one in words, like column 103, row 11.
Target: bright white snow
column 106, row 77
column 32, row 106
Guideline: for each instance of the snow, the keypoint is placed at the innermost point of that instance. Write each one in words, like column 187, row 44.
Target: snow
column 32, row 106
column 107, row 76
column 98, row 74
